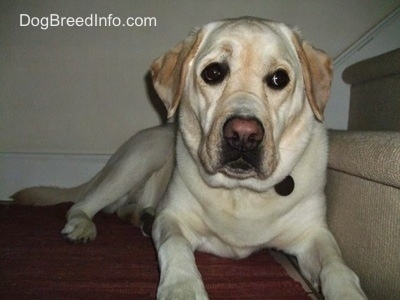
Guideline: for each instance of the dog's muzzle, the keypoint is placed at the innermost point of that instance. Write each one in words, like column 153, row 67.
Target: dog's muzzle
column 241, row 150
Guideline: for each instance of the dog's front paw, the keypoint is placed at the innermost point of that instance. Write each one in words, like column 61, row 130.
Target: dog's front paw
column 190, row 289
column 79, row 229
column 349, row 292
column 339, row 282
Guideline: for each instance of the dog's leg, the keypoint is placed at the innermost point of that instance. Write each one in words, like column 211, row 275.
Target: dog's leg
column 140, row 208
column 320, row 260
column 128, row 170
column 180, row 278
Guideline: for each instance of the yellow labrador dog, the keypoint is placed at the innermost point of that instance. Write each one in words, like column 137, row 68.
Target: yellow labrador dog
column 243, row 168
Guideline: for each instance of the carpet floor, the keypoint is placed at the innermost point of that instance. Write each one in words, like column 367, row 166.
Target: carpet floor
column 37, row 263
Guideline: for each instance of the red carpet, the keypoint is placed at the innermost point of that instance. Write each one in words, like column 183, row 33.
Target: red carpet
column 36, row 263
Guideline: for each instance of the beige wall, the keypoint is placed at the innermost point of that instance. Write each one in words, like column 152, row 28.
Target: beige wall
column 83, row 90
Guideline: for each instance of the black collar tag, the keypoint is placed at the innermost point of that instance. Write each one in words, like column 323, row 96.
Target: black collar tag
column 285, row 187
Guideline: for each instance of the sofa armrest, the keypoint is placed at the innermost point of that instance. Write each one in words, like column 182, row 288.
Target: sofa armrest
column 363, row 206
column 372, row 155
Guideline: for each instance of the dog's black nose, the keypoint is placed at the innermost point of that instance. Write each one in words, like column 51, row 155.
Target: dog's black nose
column 243, row 134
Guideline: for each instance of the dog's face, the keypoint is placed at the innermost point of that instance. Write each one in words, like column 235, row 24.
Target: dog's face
column 249, row 91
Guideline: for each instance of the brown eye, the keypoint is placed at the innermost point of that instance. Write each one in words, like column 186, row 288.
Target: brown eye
column 215, row 73
column 278, row 80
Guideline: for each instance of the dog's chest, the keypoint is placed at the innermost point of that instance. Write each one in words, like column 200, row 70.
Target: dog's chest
column 243, row 221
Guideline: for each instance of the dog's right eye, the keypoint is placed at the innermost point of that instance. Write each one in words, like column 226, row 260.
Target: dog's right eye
column 215, row 73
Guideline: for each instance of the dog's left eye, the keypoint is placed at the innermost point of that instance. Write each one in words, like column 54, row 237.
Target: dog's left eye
column 278, row 80
column 215, row 73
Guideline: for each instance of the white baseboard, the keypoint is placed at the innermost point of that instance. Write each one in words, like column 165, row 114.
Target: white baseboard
column 20, row 170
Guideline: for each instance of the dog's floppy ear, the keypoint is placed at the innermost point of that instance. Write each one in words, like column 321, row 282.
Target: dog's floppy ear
column 169, row 71
column 317, row 72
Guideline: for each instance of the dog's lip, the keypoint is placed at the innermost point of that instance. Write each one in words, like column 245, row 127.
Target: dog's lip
column 235, row 173
column 241, row 165
column 237, row 168
column 246, row 171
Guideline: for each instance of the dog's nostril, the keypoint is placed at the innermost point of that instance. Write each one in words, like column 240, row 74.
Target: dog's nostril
column 243, row 134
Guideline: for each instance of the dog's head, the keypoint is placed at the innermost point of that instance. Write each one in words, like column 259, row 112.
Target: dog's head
column 249, row 92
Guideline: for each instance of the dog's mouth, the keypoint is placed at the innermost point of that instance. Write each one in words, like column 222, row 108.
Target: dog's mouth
column 240, row 164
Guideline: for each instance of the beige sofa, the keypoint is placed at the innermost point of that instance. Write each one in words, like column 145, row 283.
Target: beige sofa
column 363, row 189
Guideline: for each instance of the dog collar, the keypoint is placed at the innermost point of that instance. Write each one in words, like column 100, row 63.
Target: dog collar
column 285, row 187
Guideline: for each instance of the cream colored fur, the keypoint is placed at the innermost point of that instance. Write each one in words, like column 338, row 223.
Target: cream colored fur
column 200, row 204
